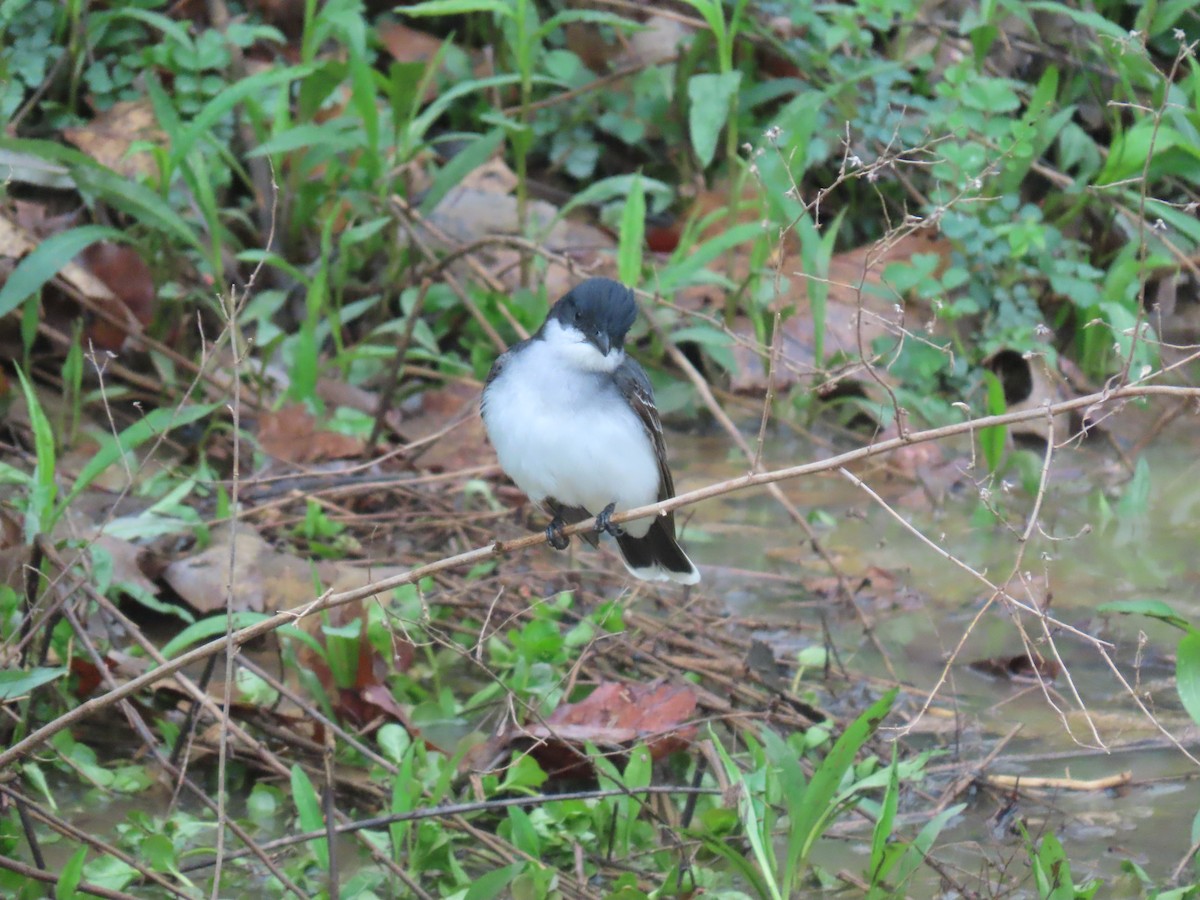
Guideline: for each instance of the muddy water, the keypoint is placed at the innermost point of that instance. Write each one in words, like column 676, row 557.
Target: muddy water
column 1090, row 549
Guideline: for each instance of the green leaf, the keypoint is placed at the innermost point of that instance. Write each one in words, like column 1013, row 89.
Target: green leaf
column 153, row 424
column 39, row 516
column 485, row 887
column 709, row 99
column 683, row 271
column 1135, row 499
column 591, row 16
column 331, row 136
column 1129, row 150
column 71, row 875
column 207, row 628
column 308, row 809
column 252, row 86
column 991, row 439
column 48, row 259
column 606, row 189
column 452, row 174
column 633, row 234
column 456, row 7
column 18, row 682
column 916, row 852
column 1187, row 673
column 718, row 344
column 818, row 805
column 434, row 110
column 883, row 828
column 1155, row 609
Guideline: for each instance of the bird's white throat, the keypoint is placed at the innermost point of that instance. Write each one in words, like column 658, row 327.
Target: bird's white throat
column 573, row 349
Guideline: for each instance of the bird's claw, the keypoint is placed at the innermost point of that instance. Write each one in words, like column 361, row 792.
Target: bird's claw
column 602, row 523
column 554, row 534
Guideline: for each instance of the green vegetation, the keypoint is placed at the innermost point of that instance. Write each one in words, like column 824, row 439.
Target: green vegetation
column 867, row 202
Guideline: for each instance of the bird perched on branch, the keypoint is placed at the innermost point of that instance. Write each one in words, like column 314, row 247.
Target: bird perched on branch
column 574, row 424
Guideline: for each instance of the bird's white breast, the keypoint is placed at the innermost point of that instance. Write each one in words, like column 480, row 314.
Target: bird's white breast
column 568, row 434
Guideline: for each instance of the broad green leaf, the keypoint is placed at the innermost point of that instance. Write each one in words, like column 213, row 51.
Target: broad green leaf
column 48, row 259
column 606, row 189
column 452, row 174
column 18, row 682
column 882, row 832
column 207, row 628
column 1135, row 499
column 70, row 876
column 485, row 887
column 1187, row 673
column 709, row 98
column 716, row 342
column 308, row 809
column 916, row 852
column 1155, row 609
column 1129, row 150
column 633, row 234
column 991, row 439
column 822, row 788
column 522, row 832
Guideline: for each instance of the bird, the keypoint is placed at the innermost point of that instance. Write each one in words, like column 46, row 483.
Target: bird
column 574, row 425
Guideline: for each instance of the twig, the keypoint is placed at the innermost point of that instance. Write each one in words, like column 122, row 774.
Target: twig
column 458, row 809
column 1016, row 782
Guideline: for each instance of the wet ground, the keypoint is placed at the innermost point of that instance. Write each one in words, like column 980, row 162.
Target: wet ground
column 1098, row 542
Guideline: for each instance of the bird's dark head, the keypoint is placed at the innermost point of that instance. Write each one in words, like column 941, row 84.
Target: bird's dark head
column 600, row 310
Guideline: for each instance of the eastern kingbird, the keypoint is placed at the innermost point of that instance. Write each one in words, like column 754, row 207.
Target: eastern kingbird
column 574, row 424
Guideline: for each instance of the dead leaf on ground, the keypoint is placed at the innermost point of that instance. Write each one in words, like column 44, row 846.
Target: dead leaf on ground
column 466, row 445
column 263, row 580
column 1017, row 668
column 603, row 50
column 109, row 136
column 616, row 714
column 124, row 272
column 290, row 434
column 77, row 280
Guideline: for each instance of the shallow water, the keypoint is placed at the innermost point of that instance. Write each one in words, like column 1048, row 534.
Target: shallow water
column 1083, row 556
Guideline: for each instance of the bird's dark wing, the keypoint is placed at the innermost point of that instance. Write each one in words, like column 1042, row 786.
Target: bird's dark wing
column 635, row 388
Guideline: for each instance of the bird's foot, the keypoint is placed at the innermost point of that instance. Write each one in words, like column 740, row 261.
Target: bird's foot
column 554, row 534
column 602, row 523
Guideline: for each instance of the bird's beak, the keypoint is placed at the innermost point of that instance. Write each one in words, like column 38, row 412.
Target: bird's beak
column 600, row 339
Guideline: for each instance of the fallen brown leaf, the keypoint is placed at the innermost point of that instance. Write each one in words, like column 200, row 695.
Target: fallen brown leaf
column 290, row 434
column 616, row 714
column 109, row 136
column 263, row 579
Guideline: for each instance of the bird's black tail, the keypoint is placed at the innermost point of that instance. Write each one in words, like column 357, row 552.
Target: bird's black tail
column 657, row 556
